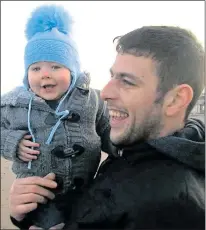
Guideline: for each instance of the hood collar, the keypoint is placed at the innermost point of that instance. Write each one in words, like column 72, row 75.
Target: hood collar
column 186, row 146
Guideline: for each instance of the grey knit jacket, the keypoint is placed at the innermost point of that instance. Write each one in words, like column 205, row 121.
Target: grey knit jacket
column 74, row 152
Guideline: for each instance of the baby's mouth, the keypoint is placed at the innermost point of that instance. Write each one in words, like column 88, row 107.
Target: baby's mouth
column 49, row 86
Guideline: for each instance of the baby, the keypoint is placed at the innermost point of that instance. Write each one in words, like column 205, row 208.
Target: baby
column 55, row 122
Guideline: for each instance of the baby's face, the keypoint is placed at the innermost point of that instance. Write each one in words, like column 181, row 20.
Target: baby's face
column 49, row 80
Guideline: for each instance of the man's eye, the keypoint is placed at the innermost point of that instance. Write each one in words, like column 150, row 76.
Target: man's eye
column 111, row 76
column 127, row 82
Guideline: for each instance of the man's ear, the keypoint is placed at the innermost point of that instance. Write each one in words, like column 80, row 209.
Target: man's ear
column 178, row 99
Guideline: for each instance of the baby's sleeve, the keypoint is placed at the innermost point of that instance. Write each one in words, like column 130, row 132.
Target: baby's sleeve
column 9, row 138
column 103, row 127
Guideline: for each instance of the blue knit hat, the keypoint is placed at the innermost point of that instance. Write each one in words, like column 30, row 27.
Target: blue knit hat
column 48, row 32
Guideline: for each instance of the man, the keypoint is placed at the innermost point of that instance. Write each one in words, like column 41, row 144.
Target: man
column 157, row 181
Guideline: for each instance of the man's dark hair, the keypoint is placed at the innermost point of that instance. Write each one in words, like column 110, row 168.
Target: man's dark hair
column 179, row 57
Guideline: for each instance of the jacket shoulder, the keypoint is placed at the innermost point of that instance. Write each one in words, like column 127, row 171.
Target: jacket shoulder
column 12, row 96
column 170, row 177
column 162, row 179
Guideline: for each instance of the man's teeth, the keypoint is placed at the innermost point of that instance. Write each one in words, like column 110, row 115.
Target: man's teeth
column 117, row 114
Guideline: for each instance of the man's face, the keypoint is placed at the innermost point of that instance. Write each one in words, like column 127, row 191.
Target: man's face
column 131, row 95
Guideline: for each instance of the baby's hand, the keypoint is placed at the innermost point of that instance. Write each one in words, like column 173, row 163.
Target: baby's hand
column 25, row 151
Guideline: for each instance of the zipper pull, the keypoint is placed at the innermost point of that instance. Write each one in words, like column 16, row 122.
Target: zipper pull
column 120, row 152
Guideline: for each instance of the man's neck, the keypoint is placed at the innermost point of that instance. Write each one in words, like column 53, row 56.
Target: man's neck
column 171, row 126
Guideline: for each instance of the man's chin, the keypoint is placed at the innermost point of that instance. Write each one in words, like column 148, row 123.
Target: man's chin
column 116, row 140
column 121, row 141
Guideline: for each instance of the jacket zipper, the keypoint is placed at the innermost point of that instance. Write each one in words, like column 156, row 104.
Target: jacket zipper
column 120, row 152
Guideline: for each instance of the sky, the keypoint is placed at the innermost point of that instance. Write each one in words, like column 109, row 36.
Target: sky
column 95, row 25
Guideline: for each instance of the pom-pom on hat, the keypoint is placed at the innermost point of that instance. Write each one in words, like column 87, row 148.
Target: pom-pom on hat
column 48, row 32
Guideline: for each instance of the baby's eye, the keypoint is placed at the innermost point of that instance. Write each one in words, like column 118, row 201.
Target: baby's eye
column 35, row 69
column 56, row 67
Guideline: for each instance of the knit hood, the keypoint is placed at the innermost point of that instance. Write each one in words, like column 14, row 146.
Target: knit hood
column 186, row 146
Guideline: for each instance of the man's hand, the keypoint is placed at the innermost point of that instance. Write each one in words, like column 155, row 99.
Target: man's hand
column 26, row 151
column 26, row 193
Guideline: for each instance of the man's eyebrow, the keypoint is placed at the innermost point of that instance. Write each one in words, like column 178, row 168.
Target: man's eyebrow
column 129, row 75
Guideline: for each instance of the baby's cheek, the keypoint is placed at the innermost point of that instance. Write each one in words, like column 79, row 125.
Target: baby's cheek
column 64, row 83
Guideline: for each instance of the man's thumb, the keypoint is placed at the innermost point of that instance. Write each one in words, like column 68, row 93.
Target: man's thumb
column 50, row 176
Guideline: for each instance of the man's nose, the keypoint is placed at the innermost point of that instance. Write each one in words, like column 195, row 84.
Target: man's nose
column 109, row 91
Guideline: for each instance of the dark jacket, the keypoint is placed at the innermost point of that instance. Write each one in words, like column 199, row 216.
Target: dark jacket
column 154, row 185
